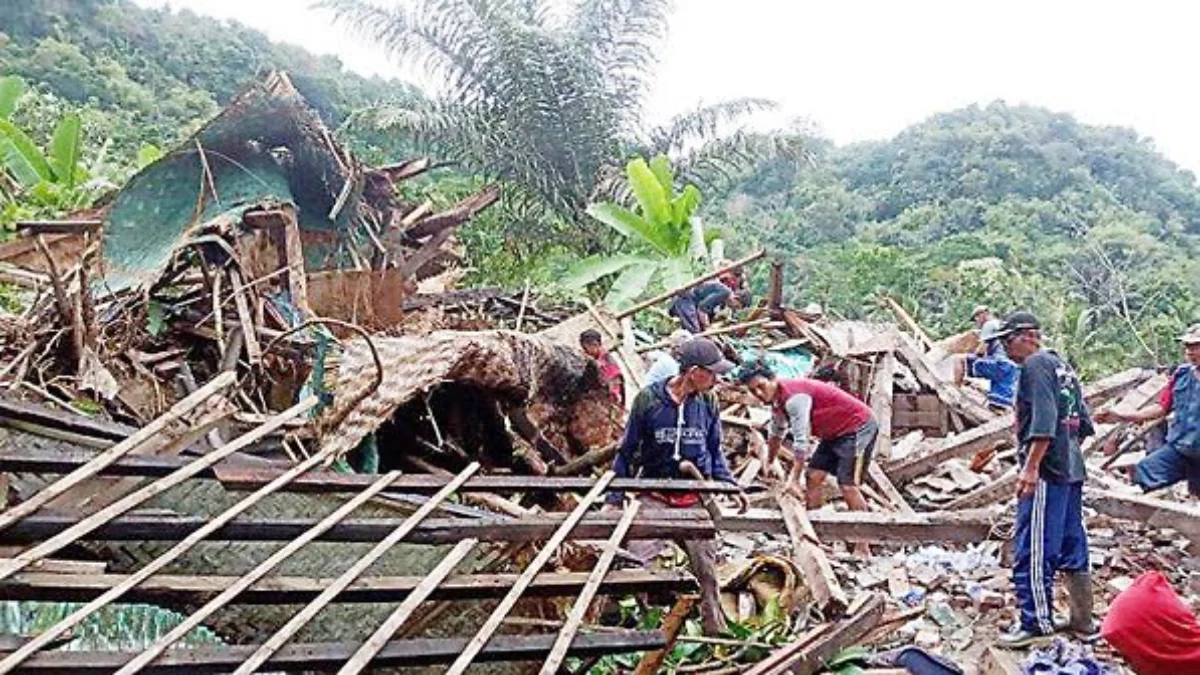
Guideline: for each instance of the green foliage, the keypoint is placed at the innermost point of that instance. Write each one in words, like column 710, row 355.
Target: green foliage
column 547, row 101
column 663, row 236
column 1016, row 207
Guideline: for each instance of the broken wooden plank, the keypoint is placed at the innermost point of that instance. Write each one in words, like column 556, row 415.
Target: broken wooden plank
column 947, row 391
column 874, row 527
column 460, row 213
column 997, row 490
column 909, row 323
column 809, row 654
column 1149, row 511
column 999, row 431
column 667, row 295
column 882, row 389
column 806, row 549
column 887, row 489
column 711, row 332
column 652, row 661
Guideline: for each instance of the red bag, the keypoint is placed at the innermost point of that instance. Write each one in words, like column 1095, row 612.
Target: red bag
column 1152, row 628
column 678, row 500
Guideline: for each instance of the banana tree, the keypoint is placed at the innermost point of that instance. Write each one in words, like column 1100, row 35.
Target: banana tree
column 665, row 240
column 54, row 178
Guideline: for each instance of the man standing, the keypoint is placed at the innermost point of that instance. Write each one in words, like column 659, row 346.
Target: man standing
column 674, row 431
column 1179, row 458
column 610, row 372
column 1050, row 537
column 844, row 427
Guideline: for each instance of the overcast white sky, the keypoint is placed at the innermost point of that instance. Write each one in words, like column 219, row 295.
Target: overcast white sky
column 865, row 69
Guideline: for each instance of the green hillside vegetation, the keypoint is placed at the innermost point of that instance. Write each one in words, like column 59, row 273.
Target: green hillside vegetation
column 141, row 76
column 1013, row 206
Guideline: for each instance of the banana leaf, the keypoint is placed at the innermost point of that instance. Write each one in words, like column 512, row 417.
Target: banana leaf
column 654, row 200
column 633, row 226
column 630, row 284
column 661, row 166
column 66, row 149
column 595, row 268
column 21, row 156
column 12, row 88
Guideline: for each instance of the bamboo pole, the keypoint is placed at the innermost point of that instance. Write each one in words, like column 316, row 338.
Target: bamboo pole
column 720, row 330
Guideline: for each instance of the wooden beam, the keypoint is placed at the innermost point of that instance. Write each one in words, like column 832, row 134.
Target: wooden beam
column 387, row 630
column 579, row 609
column 85, row 585
column 882, row 389
column 999, row 431
column 66, row 421
column 950, row 394
column 810, row 653
column 909, row 323
column 434, row 531
column 158, row 426
column 806, row 549
column 775, row 287
column 873, row 527
column 58, row 226
column 496, row 618
column 310, row 611
column 689, row 285
column 329, row 656
column 1149, row 511
column 236, row 474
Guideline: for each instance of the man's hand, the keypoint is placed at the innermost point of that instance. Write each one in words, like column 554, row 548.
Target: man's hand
column 1108, row 415
column 1027, row 481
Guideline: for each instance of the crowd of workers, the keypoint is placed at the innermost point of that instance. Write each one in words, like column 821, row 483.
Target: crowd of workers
column 674, row 431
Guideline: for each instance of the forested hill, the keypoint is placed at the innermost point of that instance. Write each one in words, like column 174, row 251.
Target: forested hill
column 1010, row 205
column 147, row 76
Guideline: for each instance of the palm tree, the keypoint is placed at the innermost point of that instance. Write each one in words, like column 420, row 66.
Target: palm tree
column 548, row 98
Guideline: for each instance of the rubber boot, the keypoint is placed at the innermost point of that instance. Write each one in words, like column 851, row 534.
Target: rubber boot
column 1079, row 595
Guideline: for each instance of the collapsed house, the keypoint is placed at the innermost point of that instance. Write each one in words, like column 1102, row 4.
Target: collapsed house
column 288, row 442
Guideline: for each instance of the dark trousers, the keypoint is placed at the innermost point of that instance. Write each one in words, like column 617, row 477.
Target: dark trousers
column 1050, row 537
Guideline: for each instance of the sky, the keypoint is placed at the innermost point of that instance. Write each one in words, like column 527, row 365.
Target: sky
column 864, row 70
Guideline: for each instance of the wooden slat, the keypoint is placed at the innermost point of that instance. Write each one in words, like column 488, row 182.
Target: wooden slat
column 434, row 531
column 818, row 573
column 672, row 624
column 329, row 656
column 379, row 639
column 198, row 617
column 493, row 622
column 300, row 620
column 982, row 437
column 87, row 525
column 151, row 430
column 579, row 610
column 869, row 527
column 73, row 581
column 15, row 659
column 253, row 348
column 809, row 654
column 667, row 295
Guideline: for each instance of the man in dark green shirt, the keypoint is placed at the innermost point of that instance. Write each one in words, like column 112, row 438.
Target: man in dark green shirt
column 1050, row 536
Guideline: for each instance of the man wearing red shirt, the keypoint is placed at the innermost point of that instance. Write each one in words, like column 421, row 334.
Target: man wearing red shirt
column 843, row 426
column 610, row 372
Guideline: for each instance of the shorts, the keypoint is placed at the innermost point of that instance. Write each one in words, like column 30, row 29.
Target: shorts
column 846, row 456
column 1167, row 466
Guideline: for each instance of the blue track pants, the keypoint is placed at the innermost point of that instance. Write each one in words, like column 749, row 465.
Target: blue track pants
column 1050, row 537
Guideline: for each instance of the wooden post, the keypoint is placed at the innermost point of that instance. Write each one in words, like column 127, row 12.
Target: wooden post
column 881, row 403
column 908, row 322
column 775, row 287
column 812, row 561
column 689, row 285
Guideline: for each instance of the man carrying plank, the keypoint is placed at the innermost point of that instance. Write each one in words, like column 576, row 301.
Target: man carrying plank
column 1050, row 536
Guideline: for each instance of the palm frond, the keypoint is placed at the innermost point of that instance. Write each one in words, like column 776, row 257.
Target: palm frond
column 623, row 37
column 720, row 161
column 704, row 124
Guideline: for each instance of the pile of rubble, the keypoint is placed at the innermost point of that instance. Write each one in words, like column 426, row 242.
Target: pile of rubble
column 257, row 307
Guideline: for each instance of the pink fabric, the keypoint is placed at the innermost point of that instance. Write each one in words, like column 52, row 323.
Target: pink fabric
column 610, row 374
column 1152, row 628
column 1168, row 395
column 835, row 413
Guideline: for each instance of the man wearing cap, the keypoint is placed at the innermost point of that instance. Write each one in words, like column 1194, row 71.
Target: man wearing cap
column 1050, row 536
column 666, row 365
column 994, row 366
column 1179, row 458
column 844, row 427
column 674, row 431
